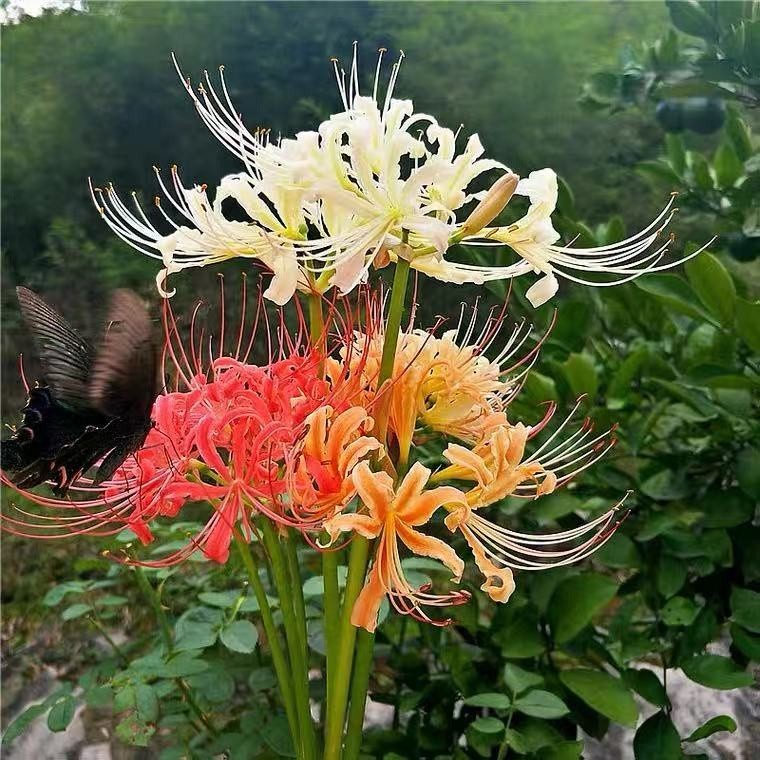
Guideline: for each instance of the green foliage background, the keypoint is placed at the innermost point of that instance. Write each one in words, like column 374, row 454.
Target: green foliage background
column 673, row 360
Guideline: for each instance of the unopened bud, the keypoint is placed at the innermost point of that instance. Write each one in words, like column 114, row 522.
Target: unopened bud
column 382, row 258
column 492, row 205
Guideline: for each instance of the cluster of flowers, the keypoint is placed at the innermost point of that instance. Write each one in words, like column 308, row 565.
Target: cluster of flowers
column 318, row 436
column 327, row 205
column 292, row 440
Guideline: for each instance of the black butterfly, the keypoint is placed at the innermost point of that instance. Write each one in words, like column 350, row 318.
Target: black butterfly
column 93, row 404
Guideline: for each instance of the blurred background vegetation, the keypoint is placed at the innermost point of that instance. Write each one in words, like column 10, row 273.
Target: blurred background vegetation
column 627, row 102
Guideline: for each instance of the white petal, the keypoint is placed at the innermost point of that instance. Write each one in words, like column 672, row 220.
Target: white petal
column 542, row 290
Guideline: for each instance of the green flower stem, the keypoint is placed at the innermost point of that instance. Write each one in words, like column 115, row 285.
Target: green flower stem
column 331, row 612
column 392, row 327
column 338, row 695
column 316, row 319
column 299, row 606
column 154, row 602
column 281, row 667
column 504, row 747
column 298, row 660
column 337, row 699
column 365, row 647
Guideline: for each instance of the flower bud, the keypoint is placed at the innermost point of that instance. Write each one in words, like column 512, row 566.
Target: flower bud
column 492, row 205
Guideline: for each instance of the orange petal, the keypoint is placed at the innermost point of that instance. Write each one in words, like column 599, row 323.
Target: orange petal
column 419, row 510
column 547, row 485
column 500, row 582
column 427, row 546
column 374, row 488
column 367, row 605
column 411, row 486
column 341, row 430
column 473, row 465
column 364, row 525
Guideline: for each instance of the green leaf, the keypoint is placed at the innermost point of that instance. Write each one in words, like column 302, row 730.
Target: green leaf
column 261, row 679
column 581, row 375
column 61, row 713
column 714, row 286
column 197, row 628
column 670, row 575
column 679, row 611
column 146, row 702
column 575, row 602
column 659, row 170
column 561, row 751
column 726, row 509
column 745, row 608
column 745, row 642
column 716, row 672
column 672, row 292
column 718, row 723
column 657, row 738
column 739, row 134
column 181, row 666
column 215, row 685
column 489, row 699
column 223, row 599
column 276, row 734
column 688, row 16
column 133, row 731
column 620, row 385
column 728, row 167
column 19, row 725
column 541, row 704
column 315, row 586
column 523, row 639
column 56, row 594
column 605, row 694
column 618, row 551
column 665, row 485
column 196, row 636
column 75, row 611
column 748, row 322
column 648, row 685
column 488, row 725
column 519, row 680
column 748, row 472
column 676, row 152
column 701, row 171
column 240, row 636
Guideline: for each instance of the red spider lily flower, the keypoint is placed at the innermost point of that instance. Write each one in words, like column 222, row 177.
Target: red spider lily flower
column 242, row 437
column 392, row 514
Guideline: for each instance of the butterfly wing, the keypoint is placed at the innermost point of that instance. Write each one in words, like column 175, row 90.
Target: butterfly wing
column 66, row 357
column 124, row 378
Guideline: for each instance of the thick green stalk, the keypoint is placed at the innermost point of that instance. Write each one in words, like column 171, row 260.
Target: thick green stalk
column 331, row 611
column 338, row 698
column 390, row 344
column 281, row 667
column 316, row 319
column 338, row 694
column 166, row 633
column 299, row 606
column 298, row 659
column 365, row 647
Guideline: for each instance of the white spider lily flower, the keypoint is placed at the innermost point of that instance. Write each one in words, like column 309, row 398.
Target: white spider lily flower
column 324, row 205
column 534, row 239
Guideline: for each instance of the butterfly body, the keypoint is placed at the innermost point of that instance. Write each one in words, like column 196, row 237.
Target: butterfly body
column 93, row 405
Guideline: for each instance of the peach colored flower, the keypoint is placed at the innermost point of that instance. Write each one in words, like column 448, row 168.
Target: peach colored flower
column 392, row 514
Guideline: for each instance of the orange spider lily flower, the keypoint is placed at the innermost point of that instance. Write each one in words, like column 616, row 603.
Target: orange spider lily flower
column 392, row 516
column 321, row 484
